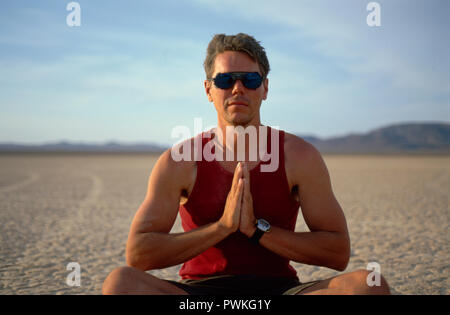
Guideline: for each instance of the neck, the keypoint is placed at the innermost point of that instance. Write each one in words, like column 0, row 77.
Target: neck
column 239, row 142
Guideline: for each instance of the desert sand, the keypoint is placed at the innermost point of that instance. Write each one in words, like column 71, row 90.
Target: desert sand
column 56, row 209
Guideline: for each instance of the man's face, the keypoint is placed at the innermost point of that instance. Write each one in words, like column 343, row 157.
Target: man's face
column 237, row 105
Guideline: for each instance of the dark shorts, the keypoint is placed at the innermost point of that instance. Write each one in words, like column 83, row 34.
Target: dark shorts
column 242, row 285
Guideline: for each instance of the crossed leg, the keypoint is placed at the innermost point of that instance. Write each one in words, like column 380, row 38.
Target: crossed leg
column 129, row 280
column 349, row 283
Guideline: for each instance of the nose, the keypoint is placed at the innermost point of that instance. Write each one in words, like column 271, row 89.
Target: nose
column 238, row 87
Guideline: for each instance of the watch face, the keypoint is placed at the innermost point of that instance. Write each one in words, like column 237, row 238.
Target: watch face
column 263, row 225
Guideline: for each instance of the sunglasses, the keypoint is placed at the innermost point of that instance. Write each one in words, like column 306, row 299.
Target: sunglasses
column 251, row 80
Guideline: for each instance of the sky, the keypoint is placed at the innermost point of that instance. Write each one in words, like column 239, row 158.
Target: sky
column 132, row 71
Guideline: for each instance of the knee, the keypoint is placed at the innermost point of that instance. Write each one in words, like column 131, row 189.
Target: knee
column 117, row 280
column 369, row 282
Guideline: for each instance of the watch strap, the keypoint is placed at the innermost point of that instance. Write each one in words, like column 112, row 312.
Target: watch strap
column 256, row 236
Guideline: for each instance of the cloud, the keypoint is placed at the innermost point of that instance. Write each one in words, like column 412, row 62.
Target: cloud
column 331, row 73
column 339, row 31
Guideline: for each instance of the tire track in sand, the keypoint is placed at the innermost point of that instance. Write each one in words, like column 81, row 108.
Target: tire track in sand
column 47, row 257
column 17, row 186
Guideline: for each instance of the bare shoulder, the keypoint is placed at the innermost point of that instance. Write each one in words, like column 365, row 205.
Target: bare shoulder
column 299, row 152
column 169, row 182
column 302, row 159
column 181, row 173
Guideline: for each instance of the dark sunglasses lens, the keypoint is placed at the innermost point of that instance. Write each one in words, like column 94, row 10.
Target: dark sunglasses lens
column 252, row 81
column 227, row 80
column 223, row 81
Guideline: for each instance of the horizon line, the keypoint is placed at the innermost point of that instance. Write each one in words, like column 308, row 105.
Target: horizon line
column 158, row 144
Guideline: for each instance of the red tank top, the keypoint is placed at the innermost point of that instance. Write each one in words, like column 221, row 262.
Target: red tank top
column 235, row 255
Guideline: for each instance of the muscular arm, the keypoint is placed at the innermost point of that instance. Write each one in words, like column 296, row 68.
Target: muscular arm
column 150, row 245
column 327, row 244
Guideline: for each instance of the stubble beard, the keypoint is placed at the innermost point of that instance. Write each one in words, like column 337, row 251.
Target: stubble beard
column 238, row 118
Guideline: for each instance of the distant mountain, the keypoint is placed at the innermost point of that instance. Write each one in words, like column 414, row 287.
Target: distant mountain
column 65, row 146
column 399, row 138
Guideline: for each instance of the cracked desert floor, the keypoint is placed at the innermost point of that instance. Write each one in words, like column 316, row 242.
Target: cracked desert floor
column 61, row 208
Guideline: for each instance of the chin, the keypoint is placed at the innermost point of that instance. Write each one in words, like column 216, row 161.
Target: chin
column 238, row 120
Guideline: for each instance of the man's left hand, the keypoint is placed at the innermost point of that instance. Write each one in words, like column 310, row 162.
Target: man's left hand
column 247, row 222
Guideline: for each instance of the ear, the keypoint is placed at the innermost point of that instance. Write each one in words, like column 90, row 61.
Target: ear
column 207, row 90
column 266, row 88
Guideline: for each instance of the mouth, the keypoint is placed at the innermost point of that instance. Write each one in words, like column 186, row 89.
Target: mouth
column 238, row 103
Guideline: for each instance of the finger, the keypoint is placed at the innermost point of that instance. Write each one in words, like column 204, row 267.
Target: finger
column 246, row 176
column 247, row 195
column 240, row 191
column 237, row 176
column 246, row 172
column 244, row 191
column 247, row 187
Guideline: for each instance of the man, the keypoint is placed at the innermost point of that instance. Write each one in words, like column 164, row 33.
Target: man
column 239, row 221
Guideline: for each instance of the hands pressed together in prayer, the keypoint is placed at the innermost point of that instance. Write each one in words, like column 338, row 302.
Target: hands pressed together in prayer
column 238, row 213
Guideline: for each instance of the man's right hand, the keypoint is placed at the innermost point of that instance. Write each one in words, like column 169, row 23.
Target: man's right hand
column 232, row 213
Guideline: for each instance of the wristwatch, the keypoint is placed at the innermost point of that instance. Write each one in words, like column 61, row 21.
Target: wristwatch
column 262, row 226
